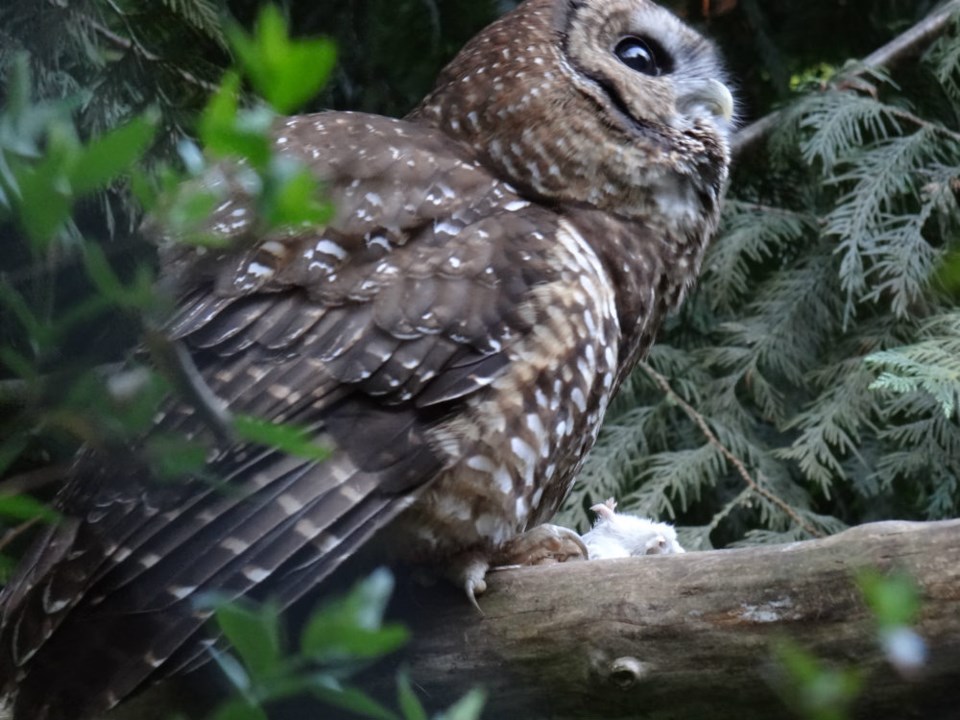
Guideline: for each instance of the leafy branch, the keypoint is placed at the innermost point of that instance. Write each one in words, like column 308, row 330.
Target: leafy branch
column 701, row 422
column 906, row 43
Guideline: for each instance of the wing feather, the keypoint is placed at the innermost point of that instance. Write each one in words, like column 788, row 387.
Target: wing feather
column 366, row 331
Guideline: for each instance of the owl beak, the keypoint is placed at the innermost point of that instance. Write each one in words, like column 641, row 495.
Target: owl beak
column 712, row 96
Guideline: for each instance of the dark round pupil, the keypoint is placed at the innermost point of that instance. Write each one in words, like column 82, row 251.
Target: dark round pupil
column 637, row 55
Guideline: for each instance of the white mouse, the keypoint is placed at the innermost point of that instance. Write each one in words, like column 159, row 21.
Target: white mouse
column 616, row 535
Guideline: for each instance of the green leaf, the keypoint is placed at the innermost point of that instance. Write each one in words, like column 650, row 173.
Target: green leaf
column 225, row 131
column 288, row 438
column 24, row 507
column 7, row 567
column 102, row 275
column 186, row 218
column 255, row 634
column 409, row 703
column 121, row 404
column 113, row 154
column 332, row 643
column 234, row 671
column 285, row 72
column 354, row 700
column 894, row 599
column 468, row 707
column 13, row 303
column 295, row 201
column 352, row 627
column 153, row 188
column 138, row 295
column 239, row 709
column 813, row 690
column 46, row 194
column 18, row 85
column 11, row 448
column 172, row 456
column 18, row 364
column 44, row 203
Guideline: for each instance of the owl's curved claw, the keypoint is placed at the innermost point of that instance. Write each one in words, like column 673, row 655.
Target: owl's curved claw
column 474, row 587
column 468, row 571
column 541, row 545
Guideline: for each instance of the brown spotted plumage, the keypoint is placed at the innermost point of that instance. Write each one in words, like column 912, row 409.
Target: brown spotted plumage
column 498, row 262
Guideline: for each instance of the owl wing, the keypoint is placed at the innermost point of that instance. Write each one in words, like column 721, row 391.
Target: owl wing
column 367, row 332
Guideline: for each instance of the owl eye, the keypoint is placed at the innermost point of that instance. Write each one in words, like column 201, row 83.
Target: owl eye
column 638, row 54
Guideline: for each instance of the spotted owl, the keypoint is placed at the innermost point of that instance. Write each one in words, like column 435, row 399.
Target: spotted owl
column 498, row 262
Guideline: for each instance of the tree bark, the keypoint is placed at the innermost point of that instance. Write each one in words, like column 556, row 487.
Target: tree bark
column 689, row 636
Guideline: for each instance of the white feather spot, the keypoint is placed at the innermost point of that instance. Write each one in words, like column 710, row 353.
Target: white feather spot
column 351, row 493
column 521, row 509
column 259, row 270
column 51, row 606
column 481, row 464
column 327, row 542
column 535, row 425
column 255, row 574
column 182, row 591
column 306, row 529
column 330, row 248
column 289, row 503
column 318, row 265
column 576, row 396
column 503, row 480
column 537, row 497
column 234, row 545
column 446, row 227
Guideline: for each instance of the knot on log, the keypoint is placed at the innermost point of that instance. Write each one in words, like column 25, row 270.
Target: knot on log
column 625, row 672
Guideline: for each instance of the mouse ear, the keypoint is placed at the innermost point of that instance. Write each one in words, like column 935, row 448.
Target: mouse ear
column 657, row 545
column 604, row 510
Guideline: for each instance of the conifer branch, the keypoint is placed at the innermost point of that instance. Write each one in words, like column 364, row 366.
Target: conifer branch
column 33, row 480
column 13, row 533
column 908, row 42
column 701, row 422
column 925, row 124
column 133, row 45
column 767, row 209
column 175, row 362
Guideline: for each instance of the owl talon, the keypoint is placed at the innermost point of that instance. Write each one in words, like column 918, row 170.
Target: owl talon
column 473, row 588
column 542, row 545
column 469, row 572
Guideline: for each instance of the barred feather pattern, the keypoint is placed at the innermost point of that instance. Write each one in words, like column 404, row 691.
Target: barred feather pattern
column 496, row 265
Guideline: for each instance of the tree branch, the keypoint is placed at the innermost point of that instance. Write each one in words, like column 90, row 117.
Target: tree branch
column 33, row 480
column 907, row 43
column 688, row 636
column 175, row 361
column 701, row 422
column 134, row 46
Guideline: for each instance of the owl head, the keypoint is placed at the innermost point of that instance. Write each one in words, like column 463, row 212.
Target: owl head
column 613, row 103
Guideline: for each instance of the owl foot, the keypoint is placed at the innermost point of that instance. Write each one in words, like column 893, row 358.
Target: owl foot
column 468, row 572
column 542, row 545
